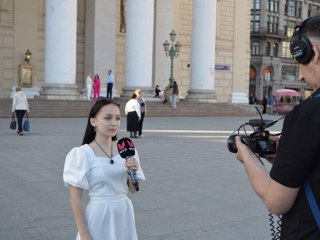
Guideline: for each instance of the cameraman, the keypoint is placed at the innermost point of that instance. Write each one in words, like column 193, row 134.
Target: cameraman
column 297, row 157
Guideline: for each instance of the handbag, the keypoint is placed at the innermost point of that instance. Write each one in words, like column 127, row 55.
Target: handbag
column 13, row 123
column 26, row 123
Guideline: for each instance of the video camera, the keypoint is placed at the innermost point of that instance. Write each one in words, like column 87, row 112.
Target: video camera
column 258, row 141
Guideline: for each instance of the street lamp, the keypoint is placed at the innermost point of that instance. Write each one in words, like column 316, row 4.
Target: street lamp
column 267, row 79
column 172, row 52
column 27, row 56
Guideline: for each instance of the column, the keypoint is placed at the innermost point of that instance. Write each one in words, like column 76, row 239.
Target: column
column 100, row 41
column 203, row 50
column 25, row 37
column 164, row 23
column 241, row 48
column 4, row 12
column 139, row 46
column 60, row 50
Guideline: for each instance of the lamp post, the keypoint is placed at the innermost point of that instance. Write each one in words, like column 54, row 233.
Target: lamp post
column 267, row 79
column 27, row 56
column 172, row 52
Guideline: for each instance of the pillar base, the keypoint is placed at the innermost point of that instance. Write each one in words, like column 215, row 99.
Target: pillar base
column 239, row 97
column 202, row 95
column 60, row 92
column 146, row 92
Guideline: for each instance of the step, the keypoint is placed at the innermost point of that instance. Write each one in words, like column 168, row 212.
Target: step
column 80, row 108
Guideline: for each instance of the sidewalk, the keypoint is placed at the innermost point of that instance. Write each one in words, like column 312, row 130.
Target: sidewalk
column 195, row 188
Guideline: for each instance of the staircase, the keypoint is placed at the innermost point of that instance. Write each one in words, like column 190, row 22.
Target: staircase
column 80, row 108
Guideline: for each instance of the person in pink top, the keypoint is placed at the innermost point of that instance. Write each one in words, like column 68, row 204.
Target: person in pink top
column 96, row 87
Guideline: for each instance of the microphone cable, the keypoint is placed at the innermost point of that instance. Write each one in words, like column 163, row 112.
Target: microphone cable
column 275, row 227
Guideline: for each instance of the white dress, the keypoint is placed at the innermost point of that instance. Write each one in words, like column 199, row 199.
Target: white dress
column 109, row 213
column 89, row 87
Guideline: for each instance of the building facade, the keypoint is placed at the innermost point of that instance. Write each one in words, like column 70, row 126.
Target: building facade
column 272, row 25
column 69, row 39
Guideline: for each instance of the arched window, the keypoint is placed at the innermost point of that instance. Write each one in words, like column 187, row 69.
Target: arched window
column 267, row 74
column 268, row 48
column 275, row 49
column 255, row 48
column 252, row 73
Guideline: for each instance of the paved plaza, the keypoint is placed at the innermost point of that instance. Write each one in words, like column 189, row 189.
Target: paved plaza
column 194, row 189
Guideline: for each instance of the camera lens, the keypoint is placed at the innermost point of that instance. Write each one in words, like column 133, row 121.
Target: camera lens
column 231, row 143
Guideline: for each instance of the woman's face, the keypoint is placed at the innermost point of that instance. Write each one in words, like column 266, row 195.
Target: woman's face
column 107, row 121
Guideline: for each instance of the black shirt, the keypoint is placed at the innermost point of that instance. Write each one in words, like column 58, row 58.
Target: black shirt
column 298, row 159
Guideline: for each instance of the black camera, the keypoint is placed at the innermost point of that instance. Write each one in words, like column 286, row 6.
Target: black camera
column 258, row 141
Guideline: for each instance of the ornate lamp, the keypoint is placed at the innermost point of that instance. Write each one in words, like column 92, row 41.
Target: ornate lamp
column 172, row 52
column 27, row 56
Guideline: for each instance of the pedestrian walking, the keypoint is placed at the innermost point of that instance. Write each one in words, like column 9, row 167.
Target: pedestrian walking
column 175, row 93
column 264, row 104
column 20, row 106
column 143, row 110
column 157, row 91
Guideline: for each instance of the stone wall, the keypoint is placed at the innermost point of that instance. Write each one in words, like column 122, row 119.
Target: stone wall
column 178, row 18
column 6, row 47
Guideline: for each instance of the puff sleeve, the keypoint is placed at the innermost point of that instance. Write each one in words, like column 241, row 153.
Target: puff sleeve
column 76, row 169
column 140, row 173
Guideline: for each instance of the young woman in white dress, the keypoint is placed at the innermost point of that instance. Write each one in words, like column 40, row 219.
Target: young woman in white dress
column 97, row 167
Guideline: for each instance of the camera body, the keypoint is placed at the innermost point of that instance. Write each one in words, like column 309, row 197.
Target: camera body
column 258, row 141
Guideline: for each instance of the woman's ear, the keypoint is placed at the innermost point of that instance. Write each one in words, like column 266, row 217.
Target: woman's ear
column 92, row 121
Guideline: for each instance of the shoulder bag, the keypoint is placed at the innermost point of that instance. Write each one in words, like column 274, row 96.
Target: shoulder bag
column 13, row 123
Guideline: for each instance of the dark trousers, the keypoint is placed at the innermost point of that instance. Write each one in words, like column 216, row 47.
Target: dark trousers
column 264, row 110
column 109, row 90
column 141, row 123
column 20, row 114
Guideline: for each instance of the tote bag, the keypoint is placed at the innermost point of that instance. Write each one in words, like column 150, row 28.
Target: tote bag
column 26, row 123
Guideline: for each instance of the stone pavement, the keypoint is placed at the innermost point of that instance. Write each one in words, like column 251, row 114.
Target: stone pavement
column 195, row 188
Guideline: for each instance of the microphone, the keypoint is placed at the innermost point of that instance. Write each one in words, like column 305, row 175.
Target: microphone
column 126, row 150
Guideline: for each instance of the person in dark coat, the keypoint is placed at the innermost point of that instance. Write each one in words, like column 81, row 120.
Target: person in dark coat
column 264, row 104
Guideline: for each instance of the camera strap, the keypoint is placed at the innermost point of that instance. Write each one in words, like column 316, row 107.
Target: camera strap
column 311, row 199
column 312, row 202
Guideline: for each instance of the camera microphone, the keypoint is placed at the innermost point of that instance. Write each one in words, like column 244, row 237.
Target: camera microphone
column 261, row 123
column 127, row 150
column 258, row 141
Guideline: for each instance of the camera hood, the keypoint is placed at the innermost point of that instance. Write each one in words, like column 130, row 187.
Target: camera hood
column 259, row 122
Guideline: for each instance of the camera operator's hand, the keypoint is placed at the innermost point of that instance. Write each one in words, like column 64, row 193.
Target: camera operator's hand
column 243, row 150
column 274, row 139
column 271, row 158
